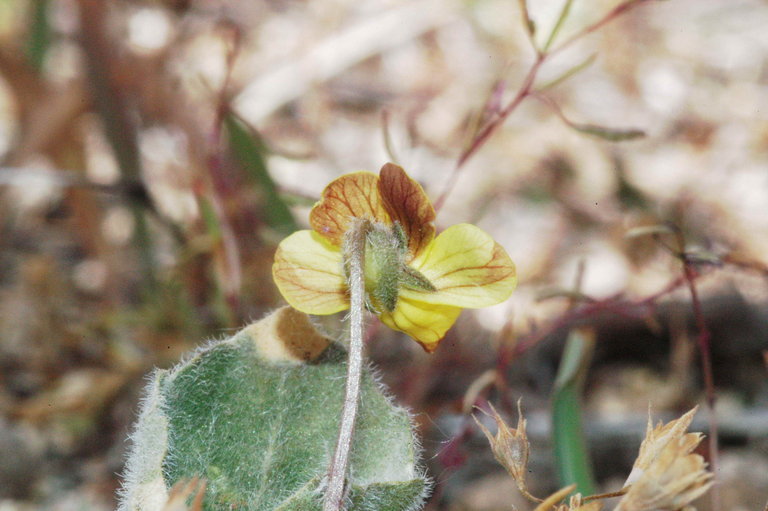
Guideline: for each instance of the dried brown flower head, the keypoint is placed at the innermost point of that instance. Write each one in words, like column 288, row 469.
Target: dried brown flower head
column 510, row 446
column 667, row 476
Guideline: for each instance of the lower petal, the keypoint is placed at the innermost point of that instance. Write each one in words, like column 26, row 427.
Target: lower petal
column 308, row 272
column 427, row 323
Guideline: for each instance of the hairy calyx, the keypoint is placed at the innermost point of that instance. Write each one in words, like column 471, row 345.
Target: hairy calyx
column 386, row 268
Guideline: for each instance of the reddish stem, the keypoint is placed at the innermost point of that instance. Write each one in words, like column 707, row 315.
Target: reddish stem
column 612, row 15
column 703, row 340
column 222, row 189
column 490, row 128
column 630, row 309
column 525, row 90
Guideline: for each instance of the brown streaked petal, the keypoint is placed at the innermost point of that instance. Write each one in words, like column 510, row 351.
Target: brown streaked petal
column 406, row 202
column 354, row 195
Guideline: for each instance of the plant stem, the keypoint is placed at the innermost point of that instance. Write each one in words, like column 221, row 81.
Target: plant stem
column 608, row 18
column 526, row 88
column 703, row 340
column 709, row 381
column 485, row 133
column 354, row 254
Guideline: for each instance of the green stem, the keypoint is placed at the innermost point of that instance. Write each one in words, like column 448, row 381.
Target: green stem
column 354, row 253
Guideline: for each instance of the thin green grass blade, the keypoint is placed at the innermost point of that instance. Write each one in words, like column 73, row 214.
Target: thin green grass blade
column 39, row 38
column 214, row 229
column 571, row 454
column 250, row 152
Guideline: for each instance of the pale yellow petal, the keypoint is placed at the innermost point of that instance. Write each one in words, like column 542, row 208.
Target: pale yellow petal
column 468, row 268
column 426, row 323
column 309, row 274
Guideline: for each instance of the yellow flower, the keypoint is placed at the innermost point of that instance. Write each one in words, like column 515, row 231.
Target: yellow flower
column 415, row 282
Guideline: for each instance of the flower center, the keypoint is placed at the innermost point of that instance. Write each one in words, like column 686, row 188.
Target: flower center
column 386, row 249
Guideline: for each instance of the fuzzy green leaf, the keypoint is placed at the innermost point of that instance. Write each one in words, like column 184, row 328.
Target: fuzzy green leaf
column 262, row 432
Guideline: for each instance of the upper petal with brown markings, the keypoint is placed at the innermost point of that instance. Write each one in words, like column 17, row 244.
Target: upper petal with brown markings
column 406, row 203
column 354, row 195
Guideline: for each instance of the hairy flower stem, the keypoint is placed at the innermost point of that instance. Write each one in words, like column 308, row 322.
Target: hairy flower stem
column 354, row 258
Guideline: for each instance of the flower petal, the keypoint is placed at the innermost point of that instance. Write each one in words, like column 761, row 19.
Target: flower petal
column 407, row 203
column 467, row 267
column 308, row 271
column 351, row 195
column 425, row 322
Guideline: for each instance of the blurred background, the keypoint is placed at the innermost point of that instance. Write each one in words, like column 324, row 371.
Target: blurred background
column 155, row 152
